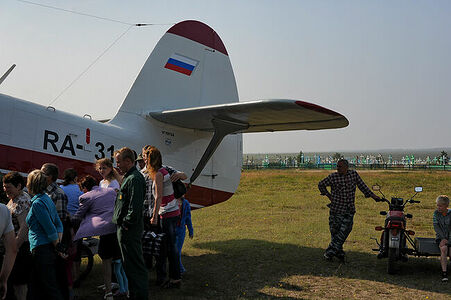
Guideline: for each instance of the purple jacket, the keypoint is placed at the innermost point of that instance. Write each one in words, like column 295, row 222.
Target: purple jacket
column 96, row 212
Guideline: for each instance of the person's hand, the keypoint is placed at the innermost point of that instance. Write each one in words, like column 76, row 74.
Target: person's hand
column 154, row 220
column 117, row 173
column 443, row 243
column 62, row 255
column 3, row 288
column 176, row 176
column 191, row 236
column 61, row 250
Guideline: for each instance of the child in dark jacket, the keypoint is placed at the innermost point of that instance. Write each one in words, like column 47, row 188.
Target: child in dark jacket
column 442, row 227
column 185, row 220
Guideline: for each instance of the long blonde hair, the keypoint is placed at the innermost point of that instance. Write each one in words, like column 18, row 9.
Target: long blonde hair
column 153, row 160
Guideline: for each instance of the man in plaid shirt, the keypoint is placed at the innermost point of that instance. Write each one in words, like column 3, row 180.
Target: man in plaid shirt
column 342, row 205
column 59, row 198
column 54, row 191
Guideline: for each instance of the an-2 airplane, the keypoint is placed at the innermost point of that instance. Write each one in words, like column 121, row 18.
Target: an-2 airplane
column 184, row 101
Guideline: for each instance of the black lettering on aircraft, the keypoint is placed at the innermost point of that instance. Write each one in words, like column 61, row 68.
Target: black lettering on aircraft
column 101, row 149
column 111, row 149
column 52, row 141
column 65, row 146
column 51, row 138
column 164, row 132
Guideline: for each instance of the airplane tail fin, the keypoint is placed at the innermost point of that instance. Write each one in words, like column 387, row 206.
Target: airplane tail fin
column 188, row 83
column 189, row 67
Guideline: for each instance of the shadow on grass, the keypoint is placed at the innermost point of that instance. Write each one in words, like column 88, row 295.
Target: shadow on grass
column 242, row 268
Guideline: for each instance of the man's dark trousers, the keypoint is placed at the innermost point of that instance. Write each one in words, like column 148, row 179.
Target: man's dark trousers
column 134, row 266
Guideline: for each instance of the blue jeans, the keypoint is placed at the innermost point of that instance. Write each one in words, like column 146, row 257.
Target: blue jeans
column 168, row 227
column 180, row 239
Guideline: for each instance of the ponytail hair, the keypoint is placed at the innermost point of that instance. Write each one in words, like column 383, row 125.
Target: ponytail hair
column 69, row 176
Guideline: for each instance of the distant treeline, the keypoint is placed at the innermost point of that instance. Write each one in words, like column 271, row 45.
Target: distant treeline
column 332, row 166
column 396, row 154
column 396, row 159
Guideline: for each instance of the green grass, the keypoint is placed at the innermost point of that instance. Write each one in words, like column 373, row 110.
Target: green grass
column 267, row 241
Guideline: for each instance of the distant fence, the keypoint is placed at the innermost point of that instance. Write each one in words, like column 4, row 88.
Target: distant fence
column 333, row 166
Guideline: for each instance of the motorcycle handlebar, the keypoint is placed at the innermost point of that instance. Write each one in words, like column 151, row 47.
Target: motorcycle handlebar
column 408, row 201
column 383, row 200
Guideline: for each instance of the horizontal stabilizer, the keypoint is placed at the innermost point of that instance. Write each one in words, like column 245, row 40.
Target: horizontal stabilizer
column 256, row 116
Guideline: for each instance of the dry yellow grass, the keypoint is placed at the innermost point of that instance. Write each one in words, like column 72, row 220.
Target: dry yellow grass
column 267, row 241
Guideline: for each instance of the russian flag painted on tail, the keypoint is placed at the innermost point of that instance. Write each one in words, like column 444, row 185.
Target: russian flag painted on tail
column 181, row 64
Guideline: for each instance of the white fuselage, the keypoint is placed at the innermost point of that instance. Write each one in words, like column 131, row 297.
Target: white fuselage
column 31, row 134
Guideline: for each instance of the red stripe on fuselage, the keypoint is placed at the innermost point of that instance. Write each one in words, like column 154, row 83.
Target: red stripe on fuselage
column 25, row 161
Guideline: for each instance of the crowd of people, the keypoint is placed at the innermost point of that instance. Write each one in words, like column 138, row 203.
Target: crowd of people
column 43, row 225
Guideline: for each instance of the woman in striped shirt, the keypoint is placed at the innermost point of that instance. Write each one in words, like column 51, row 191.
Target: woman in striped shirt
column 166, row 208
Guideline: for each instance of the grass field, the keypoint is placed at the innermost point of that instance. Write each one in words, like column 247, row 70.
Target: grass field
column 267, row 241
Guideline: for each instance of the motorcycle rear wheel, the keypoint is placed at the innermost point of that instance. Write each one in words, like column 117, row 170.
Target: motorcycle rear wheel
column 391, row 264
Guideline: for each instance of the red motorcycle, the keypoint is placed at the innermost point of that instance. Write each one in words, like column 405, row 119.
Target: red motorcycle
column 395, row 237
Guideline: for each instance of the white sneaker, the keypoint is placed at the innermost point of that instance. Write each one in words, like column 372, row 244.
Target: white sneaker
column 114, row 286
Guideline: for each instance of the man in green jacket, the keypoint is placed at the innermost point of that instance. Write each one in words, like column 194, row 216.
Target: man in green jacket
column 128, row 218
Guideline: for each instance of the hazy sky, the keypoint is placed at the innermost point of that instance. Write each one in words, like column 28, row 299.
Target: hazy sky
column 385, row 65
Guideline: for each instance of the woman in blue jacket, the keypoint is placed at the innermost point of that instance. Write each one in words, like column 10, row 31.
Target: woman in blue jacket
column 44, row 233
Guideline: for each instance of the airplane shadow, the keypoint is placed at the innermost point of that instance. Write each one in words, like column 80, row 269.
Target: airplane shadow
column 242, row 268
